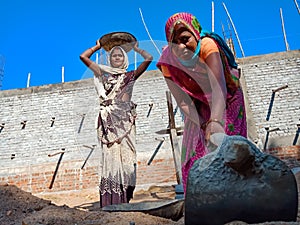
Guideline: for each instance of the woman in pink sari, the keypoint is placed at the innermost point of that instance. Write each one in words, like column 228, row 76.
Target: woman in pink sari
column 202, row 75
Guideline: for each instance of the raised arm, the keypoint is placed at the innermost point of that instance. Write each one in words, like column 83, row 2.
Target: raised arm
column 85, row 58
column 144, row 65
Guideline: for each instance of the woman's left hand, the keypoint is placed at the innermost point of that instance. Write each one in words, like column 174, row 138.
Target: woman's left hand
column 213, row 127
column 136, row 46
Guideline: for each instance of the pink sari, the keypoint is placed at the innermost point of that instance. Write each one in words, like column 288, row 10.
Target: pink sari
column 194, row 84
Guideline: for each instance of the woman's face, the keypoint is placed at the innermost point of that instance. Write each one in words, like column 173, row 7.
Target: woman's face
column 116, row 58
column 184, row 44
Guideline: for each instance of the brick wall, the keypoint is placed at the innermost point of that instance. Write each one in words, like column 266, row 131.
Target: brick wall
column 263, row 74
column 62, row 116
column 290, row 154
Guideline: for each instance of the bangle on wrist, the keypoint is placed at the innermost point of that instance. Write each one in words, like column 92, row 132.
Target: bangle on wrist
column 204, row 125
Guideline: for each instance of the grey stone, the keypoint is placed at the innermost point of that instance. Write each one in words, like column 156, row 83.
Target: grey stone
column 239, row 182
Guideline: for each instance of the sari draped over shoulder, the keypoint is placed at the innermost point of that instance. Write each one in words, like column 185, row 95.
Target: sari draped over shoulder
column 116, row 115
column 194, row 83
column 116, row 133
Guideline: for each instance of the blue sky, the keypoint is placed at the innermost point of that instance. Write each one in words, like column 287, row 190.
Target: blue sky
column 41, row 37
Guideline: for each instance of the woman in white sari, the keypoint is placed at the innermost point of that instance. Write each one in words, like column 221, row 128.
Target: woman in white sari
column 116, row 121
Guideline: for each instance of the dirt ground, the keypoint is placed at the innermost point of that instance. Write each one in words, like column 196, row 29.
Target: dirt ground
column 18, row 207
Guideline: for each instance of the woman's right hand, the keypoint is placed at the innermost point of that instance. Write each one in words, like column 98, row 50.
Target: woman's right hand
column 98, row 43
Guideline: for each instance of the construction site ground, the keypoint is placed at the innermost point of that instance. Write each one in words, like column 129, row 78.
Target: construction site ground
column 18, row 207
